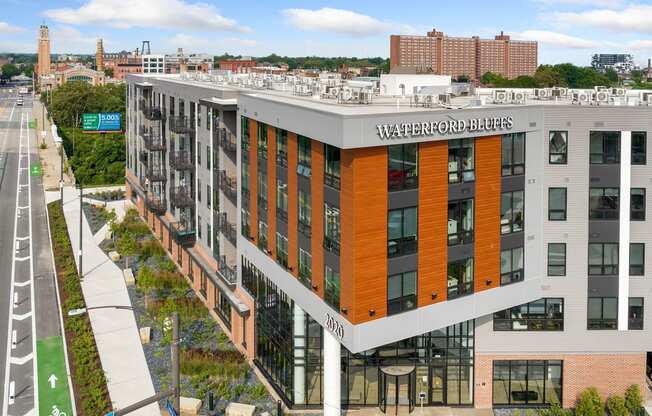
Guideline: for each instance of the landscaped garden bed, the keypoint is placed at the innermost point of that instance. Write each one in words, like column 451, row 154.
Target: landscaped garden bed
column 88, row 380
column 209, row 361
column 107, row 196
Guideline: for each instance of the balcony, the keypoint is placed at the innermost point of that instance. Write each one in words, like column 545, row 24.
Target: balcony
column 229, row 273
column 142, row 157
column 183, row 232
column 182, row 197
column 155, row 204
column 154, row 141
column 229, row 186
column 182, row 160
column 181, row 125
column 228, row 229
column 228, row 144
column 156, row 174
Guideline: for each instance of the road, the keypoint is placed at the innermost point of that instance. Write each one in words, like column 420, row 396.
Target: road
column 35, row 375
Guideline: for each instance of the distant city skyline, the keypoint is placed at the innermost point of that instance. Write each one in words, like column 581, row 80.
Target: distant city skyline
column 567, row 30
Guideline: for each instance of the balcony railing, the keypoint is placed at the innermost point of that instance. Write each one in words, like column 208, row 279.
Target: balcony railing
column 228, row 229
column 181, row 125
column 181, row 160
column 228, row 144
column 155, row 204
column 229, row 273
column 182, row 197
column 156, row 174
column 142, row 156
column 229, row 186
column 154, row 141
column 332, row 245
column 184, row 232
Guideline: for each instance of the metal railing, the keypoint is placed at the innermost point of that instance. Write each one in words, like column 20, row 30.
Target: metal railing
column 155, row 204
column 228, row 144
column 228, row 229
column 181, row 160
column 154, row 141
column 181, row 125
column 182, row 197
column 184, row 232
column 156, row 174
column 228, row 185
column 229, row 273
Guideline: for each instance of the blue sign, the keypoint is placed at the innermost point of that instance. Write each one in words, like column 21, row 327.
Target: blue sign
column 95, row 122
column 170, row 409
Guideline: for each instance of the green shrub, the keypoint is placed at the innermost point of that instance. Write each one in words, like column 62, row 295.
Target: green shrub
column 589, row 403
column 150, row 248
column 633, row 399
column 257, row 392
column 555, row 409
column 616, row 406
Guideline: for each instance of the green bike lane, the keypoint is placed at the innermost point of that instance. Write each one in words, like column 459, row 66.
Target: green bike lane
column 53, row 388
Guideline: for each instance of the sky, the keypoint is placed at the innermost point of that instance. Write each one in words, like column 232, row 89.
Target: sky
column 567, row 30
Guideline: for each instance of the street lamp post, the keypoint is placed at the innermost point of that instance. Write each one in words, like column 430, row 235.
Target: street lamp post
column 81, row 213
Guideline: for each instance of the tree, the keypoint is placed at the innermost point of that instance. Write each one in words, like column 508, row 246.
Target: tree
column 637, row 76
column 589, row 403
column 9, row 70
column 616, row 406
column 127, row 247
column 612, row 76
column 108, row 72
column 633, row 399
column 28, row 70
column 546, row 76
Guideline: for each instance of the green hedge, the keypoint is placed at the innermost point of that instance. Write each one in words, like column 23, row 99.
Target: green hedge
column 88, row 379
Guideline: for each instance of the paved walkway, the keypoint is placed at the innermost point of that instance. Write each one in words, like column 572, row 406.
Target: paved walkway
column 116, row 332
column 50, row 160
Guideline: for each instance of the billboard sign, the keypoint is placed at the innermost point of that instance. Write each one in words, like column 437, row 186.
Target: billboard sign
column 100, row 122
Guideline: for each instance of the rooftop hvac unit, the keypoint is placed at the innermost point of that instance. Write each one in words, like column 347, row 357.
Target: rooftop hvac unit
column 542, row 93
column 518, row 97
column 582, row 97
column 618, row 92
column 600, row 88
column 646, row 97
column 559, row 92
column 500, row 96
column 444, row 98
column 602, row 97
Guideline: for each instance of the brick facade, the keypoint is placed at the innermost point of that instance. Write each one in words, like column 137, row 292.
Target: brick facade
column 609, row 373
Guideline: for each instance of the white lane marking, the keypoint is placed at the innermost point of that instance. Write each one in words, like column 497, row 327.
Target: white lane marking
column 22, row 284
column 15, row 299
column 22, row 317
column 22, row 360
column 22, row 238
column 12, row 393
column 23, row 258
column 14, row 336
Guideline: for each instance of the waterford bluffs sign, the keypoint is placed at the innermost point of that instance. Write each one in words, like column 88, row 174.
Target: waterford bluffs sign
column 444, row 127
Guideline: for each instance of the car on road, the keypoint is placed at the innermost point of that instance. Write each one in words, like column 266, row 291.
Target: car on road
column 19, row 101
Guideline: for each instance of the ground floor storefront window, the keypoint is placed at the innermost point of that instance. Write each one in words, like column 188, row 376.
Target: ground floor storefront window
column 527, row 382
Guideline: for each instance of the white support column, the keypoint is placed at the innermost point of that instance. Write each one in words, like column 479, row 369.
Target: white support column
column 299, row 322
column 623, row 240
column 332, row 377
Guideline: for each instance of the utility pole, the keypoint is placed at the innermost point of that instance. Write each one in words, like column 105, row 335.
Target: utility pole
column 61, row 177
column 175, row 362
column 81, row 217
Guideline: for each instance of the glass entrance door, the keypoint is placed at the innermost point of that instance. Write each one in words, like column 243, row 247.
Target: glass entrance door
column 437, row 385
column 397, row 393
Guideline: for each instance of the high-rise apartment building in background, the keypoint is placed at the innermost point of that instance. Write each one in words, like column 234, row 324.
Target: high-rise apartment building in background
column 471, row 57
column 622, row 63
column 368, row 250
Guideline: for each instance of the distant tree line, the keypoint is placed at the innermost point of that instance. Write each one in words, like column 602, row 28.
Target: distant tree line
column 310, row 62
column 11, row 70
column 560, row 75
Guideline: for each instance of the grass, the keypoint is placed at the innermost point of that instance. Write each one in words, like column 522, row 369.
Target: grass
column 88, row 379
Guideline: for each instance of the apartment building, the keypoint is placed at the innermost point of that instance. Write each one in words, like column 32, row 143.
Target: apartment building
column 364, row 251
column 463, row 57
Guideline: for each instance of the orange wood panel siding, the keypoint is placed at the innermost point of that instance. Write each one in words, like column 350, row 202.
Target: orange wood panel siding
column 271, row 190
column 293, row 203
column 317, row 200
column 433, row 218
column 253, row 180
column 364, row 233
column 487, row 213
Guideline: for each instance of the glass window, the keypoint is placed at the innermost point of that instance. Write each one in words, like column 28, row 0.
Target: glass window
column 461, row 160
column 460, row 222
column 244, row 133
column 636, row 259
column 222, row 306
column 605, row 147
column 513, row 154
column 511, row 266
column 401, row 292
column 332, row 166
column 402, row 232
column 332, row 288
column 556, row 259
column 332, row 231
column 460, row 277
column 208, row 196
column 558, row 147
column 545, row 314
column 603, row 259
column 637, row 201
column 262, row 140
column 282, row 200
column 602, row 313
column 402, row 166
column 639, row 148
column 635, row 314
column 282, row 250
column 305, row 267
column 557, row 204
column 305, row 213
column 527, row 383
column 304, row 151
column 512, row 212
column 262, row 191
column 603, row 203
column 281, row 147
column 262, row 235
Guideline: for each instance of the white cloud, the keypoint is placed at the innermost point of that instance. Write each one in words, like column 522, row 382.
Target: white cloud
column 164, row 14
column 594, row 3
column 6, row 28
column 632, row 19
column 67, row 39
column 558, row 39
column 341, row 21
column 198, row 44
column 641, row 45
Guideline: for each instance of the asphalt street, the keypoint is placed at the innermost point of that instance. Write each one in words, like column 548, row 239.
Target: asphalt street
column 29, row 312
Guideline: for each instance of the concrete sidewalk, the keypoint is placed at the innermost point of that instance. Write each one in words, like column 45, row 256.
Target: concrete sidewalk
column 50, row 160
column 116, row 332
